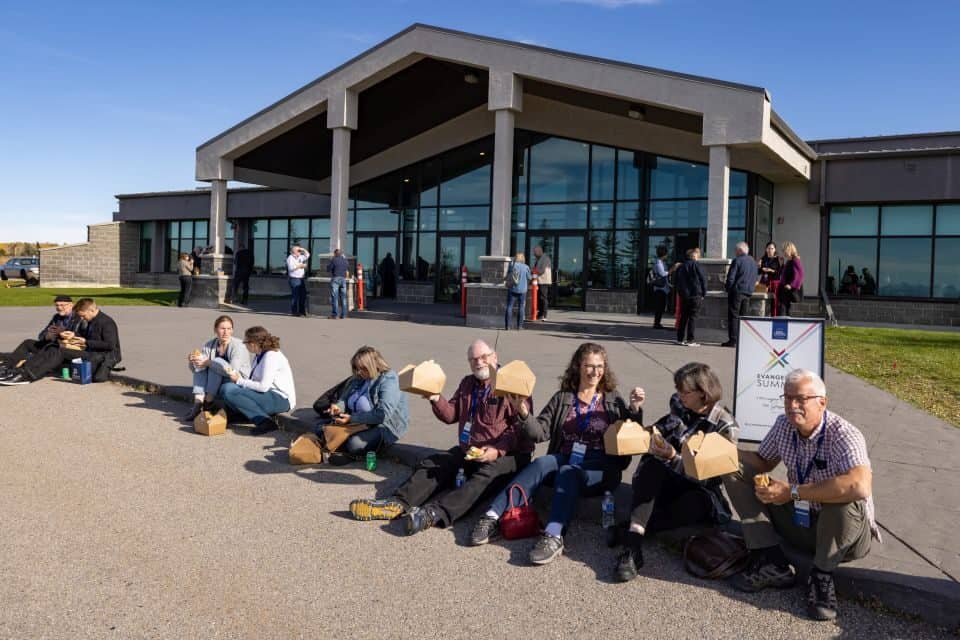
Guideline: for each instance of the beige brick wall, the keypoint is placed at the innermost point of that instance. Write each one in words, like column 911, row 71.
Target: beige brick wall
column 107, row 259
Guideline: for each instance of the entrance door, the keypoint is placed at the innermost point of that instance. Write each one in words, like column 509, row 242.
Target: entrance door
column 457, row 250
column 566, row 252
column 677, row 243
column 378, row 255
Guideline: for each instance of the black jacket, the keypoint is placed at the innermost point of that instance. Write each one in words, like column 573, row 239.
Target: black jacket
column 742, row 276
column 71, row 322
column 691, row 279
column 243, row 263
column 102, row 335
column 549, row 424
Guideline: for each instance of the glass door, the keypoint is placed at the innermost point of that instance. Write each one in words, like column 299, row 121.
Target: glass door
column 455, row 251
column 378, row 255
column 676, row 243
column 568, row 276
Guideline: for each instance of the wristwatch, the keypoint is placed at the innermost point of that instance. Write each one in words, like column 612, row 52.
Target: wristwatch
column 795, row 492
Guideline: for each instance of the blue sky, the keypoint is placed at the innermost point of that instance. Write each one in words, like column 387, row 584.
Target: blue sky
column 100, row 98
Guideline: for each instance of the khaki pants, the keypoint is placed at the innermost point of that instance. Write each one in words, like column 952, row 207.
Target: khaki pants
column 839, row 532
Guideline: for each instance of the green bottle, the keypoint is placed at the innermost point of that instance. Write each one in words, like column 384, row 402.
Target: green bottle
column 371, row 460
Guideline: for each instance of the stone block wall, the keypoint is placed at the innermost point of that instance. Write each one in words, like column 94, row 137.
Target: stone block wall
column 624, row 301
column 415, row 292
column 107, row 259
column 486, row 304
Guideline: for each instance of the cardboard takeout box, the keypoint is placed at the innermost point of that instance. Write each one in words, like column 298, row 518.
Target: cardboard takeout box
column 335, row 435
column 425, row 379
column 513, row 378
column 209, row 424
column 626, row 438
column 709, row 455
column 306, row 450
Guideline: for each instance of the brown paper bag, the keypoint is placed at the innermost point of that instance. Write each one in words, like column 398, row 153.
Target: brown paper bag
column 513, row 378
column 424, row 379
column 306, row 450
column 335, row 435
column 209, row 424
column 709, row 455
column 626, row 438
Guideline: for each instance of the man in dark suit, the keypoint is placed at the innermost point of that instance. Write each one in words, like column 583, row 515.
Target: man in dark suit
column 741, row 279
column 242, row 269
column 691, row 282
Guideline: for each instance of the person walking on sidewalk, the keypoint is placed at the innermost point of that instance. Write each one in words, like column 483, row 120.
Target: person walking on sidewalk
column 691, row 283
column 825, row 508
column 337, row 268
column 741, row 280
column 517, row 280
column 429, row 498
column 544, row 269
column 296, row 272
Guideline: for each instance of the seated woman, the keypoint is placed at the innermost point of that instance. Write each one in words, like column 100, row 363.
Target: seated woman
column 269, row 390
column 212, row 363
column 663, row 497
column 371, row 397
column 574, row 420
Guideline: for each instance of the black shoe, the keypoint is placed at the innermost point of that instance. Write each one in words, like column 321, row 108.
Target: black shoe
column 419, row 519
column 193, row 413
column 265, row 427
column 729, row 343
column 16, row 379
column 762, row 573
column 6, row 374
column 628, row 564
column 485, row 530
column 821, row 595
column 340, row 459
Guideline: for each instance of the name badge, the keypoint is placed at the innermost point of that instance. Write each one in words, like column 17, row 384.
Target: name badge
column 801, row 513
column 465, row 434
column 579, row 450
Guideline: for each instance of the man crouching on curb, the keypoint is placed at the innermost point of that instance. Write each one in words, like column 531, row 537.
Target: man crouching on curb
column 825, row 509
column 486, row 428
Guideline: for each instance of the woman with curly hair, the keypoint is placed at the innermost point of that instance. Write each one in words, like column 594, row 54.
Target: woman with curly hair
column 268, row 390
column 574, row 421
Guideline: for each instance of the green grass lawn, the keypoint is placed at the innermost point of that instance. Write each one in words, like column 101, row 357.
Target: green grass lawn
column 920, row 367
column 20, row 296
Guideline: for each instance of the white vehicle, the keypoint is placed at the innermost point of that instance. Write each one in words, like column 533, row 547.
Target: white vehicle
column 21, row 268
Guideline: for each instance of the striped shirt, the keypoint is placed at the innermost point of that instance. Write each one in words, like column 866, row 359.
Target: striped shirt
column 843, row 448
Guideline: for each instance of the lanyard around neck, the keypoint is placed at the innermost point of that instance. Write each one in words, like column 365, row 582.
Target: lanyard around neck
column 802, row 477
column 583, row 423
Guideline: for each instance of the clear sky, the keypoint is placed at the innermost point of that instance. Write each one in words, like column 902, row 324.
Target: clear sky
column 101, row 98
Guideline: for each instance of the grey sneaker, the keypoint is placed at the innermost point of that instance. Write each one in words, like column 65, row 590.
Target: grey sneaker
column 821, row 596
column 547, row 549
column 485, row 530
column 761, row 574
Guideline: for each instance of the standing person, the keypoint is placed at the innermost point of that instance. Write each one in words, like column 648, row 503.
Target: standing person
column 64, row 319
column 544, row 268
column 185, row 272
column 770, row 265
column 269, row 390
column 869, row 286
column 388, row 276
column 791, row 280
column 664, row 497
column 576, row 464
column 741, row 280
column 691, row 283
column 661, row 287
column 430, row 497
column 197, row 257
column 825, row 507
column 212, row 364
column 338, row 284
column 296, row 272
column 242, row 269
column 517, row 279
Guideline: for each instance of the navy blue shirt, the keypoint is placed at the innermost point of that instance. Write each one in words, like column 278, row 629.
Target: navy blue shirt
column 742, row 276
column 338, row 267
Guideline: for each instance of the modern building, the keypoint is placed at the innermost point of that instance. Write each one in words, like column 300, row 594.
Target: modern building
column 446, row 149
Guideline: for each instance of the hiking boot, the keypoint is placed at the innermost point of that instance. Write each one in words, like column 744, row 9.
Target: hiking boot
column 821, row 595
column 547, row 549
column 628, row 564
column 761, row 573
column 485, row 530
column 418, row 520
column 380, row 509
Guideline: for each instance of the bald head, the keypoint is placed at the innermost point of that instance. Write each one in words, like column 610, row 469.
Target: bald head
column 481, row 357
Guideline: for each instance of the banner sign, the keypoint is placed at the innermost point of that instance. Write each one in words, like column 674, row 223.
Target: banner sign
column 767, row 350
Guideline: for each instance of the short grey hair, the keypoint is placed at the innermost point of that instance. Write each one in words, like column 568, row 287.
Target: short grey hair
column 799, row 376
column 478, row 344
column 744, row 247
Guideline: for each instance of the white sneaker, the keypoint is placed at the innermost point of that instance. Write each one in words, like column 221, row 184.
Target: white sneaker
column 681, row 343
column 693, row 344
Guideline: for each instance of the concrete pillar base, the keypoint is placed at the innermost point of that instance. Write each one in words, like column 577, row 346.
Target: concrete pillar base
column 217, row 264
column 209, row 291
column 318, row 290
column 716, row 269
column 487, row 299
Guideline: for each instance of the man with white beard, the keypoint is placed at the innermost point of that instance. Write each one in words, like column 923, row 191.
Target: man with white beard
column 490, row 451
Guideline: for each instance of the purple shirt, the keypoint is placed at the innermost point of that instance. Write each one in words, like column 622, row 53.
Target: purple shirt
column 595, row 425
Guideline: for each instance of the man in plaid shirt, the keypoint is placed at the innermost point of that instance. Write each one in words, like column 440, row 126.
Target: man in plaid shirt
column 825, row 508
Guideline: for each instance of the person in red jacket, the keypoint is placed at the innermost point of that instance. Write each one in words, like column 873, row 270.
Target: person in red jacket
column 485, row 424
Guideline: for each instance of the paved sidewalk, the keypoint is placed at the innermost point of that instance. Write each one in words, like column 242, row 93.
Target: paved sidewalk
column 916, row 457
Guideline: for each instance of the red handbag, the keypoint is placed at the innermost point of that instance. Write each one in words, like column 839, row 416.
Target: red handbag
column 519, row 520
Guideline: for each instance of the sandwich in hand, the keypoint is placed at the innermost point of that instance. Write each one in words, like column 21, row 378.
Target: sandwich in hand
column 473, row 453
column 761, row 480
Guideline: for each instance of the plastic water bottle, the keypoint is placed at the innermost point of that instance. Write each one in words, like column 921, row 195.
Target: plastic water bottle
column 608, row 511
column 461, row 478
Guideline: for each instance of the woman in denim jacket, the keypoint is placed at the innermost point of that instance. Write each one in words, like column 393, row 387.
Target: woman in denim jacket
column 371, row 397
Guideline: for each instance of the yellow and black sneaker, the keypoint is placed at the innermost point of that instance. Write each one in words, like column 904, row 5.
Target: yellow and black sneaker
column 382, row 509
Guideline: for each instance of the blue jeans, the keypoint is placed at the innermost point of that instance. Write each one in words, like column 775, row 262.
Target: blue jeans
column 207, row 381
column 597, row 473
column 298, row 297
column 372, row 439
column 338, row 296
column 511, row 298
column 256, row 405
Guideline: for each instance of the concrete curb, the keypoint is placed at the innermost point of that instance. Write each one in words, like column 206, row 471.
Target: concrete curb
column 934, row 601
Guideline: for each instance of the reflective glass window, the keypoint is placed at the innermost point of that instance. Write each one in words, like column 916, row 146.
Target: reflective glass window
column 733, row 237
column 906, row 220
column 678, row 179
column 278, row 255
column 601, row 215
column 602, row 172
column 737, row 212
column 518, row 242
column 260, row 257
column 377, row 220
column 518, row 217
column 601, row 252
column 520, row 163
column 684, row 214
column 428, row 219
column 627, row 256
column 629, row 176
column 426, row 256
column 429, row 179
column 558, row 171
column 847, row 252
column 629, row 215
column 279, row 228
column 299, row 229
column 200, row 234
column 557, row 216
column 946, row 268
column 466, row 173
column 904, row 267
column 738, row 183
column 320, row 228
column 173, row 230
column 853, row 221
column 464, row 218
column 948, row 219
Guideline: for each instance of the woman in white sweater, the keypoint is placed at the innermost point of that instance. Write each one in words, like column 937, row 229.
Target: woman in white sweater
column 269, row 390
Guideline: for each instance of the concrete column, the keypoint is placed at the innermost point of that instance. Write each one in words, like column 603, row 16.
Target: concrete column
column 218, row 214
column 504, row 98
column 718, row 207
column 342, row 119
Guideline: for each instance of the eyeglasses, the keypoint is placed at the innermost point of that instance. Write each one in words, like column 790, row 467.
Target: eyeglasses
column 798, row 399
column 482, row 356
column 594, row 367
